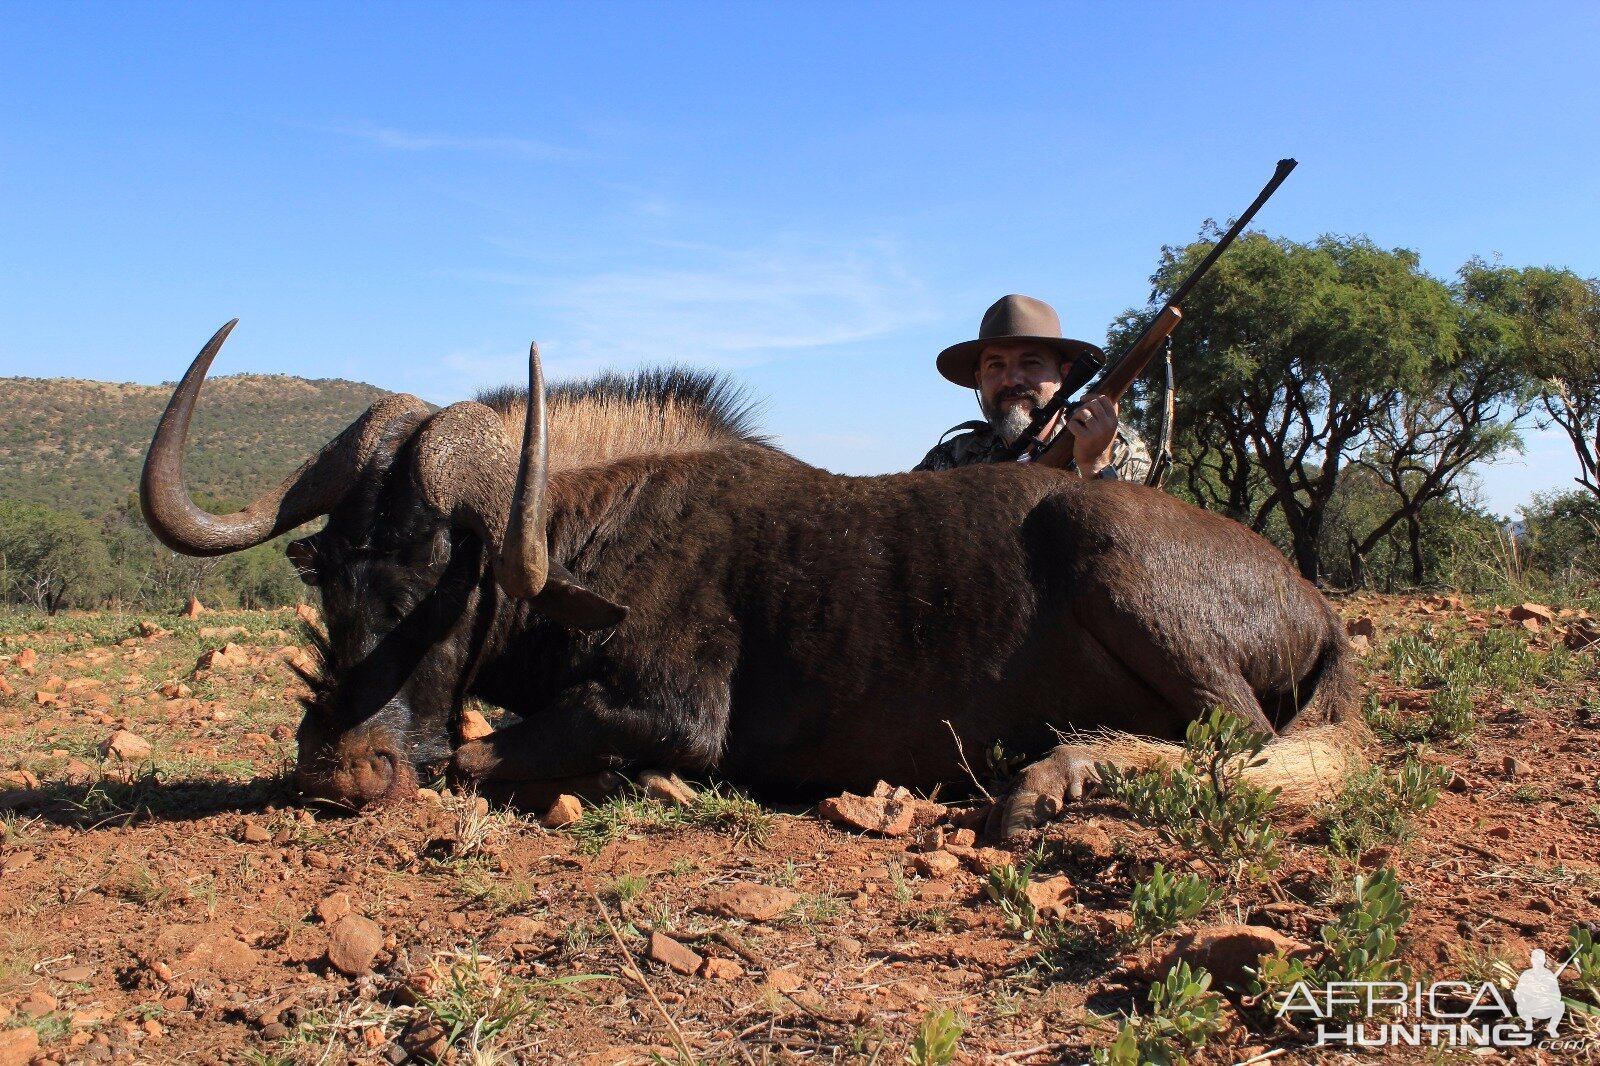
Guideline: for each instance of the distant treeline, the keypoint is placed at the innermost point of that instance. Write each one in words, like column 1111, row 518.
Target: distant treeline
column 1331, row 396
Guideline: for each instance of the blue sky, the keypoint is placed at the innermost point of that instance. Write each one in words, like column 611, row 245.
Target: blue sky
column 816, row 197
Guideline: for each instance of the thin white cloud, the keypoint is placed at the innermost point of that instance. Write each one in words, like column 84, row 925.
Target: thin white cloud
column 725, row 307
column 397, row 140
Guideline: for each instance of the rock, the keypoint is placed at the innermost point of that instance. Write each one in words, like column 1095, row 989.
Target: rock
column 564, row 811
column 665, row 788
column 332, row 908
column 866, row 814
column 936, row 864
column 126, row 746
column 353, row 944
column 980, row 860
column 673, row 955
column 518, row 929
column 1534, row 611
column 18, row 779
column 426, row 1042
column 46, row 699
column 932, row 840
column 962, row 838
column 18, row 1046
column 192, row 609
column 147, row 629
column 274, row 1031
column 74, row 974
column 174, row 690
column 1361, row 627
column 1361, row 643
column 1226, row 950
column 973, row 818
column 5, row 689
column 1088, row 842
column 1111, row 925
column 474, row 726
column 206, row 948
column 251, row 833
column 889, row 813
column 1532, row 625
column 1515, row 768
column 1500, row 832
column 752, row 902
column 37, row 1005
column 221, row 632
column 721, row 970
column 784, row 982
column 1051, row 898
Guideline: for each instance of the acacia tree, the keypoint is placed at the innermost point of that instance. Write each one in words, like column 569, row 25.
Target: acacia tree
column 1466, row 412
column 1557, row 316
column 1287, row 355
column 49, row 558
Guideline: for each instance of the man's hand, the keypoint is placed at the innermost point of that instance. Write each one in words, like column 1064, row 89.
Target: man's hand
column 1093, row 427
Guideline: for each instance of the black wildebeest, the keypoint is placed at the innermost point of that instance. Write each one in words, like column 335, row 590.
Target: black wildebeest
column 794, row 631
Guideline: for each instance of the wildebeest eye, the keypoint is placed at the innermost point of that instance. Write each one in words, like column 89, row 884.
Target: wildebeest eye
column 303, row 554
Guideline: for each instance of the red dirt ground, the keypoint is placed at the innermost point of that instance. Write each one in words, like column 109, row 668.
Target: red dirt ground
column 180, row 906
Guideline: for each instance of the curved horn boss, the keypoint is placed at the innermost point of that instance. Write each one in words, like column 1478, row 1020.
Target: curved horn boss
column 465, row 464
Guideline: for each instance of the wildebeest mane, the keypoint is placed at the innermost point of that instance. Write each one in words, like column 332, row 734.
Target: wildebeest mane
column 657, row 411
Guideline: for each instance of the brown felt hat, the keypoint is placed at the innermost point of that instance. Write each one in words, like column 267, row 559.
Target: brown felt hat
column 1013, row 318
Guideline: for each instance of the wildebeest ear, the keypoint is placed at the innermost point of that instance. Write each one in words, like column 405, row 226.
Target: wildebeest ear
column 303, row 554
column 564, row 600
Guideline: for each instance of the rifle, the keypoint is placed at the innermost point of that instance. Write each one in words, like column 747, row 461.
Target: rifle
column 1115, row 381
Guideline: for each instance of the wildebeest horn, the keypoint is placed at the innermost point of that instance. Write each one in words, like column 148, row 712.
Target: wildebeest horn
column 313, row 490
column 466, row 470
column 525, row 557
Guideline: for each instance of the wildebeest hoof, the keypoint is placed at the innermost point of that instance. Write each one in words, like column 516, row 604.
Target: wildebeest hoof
column 1044, row 788
column 665, row 786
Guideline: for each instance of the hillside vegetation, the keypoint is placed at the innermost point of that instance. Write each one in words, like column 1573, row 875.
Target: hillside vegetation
column 70, row 455
column 78, row 445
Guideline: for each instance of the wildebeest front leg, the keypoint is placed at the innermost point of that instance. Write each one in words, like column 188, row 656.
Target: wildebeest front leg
column 582, row 733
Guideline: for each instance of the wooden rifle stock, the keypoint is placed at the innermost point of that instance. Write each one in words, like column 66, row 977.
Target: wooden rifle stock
column 1117, row 380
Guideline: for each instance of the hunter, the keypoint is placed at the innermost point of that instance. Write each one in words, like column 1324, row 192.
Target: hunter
column 1018, row 362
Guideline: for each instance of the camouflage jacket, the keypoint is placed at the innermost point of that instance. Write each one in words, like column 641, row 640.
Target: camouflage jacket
column 981, row 444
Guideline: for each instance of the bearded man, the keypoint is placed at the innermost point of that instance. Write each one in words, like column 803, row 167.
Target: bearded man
column 1019, row 361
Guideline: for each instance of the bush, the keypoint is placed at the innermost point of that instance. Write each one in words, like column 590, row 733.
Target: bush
column 1184, row 1014
column 1205, row 804
column 1360, row 945
column 1161, row 902
column 50, row 559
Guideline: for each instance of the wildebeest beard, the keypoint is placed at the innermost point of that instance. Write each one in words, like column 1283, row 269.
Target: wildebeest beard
column 1012, row 421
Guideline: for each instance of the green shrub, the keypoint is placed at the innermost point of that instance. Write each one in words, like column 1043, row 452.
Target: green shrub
column 1184, row 1014
column 1205, row 804
column 1161, row 901
column 1359, row 945
column 936, row 1040
column 1377, row 808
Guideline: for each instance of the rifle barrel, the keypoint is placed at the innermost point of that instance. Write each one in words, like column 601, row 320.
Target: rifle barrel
column 1284, row 167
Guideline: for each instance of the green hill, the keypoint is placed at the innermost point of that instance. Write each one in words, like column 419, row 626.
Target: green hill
column 78, row 445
